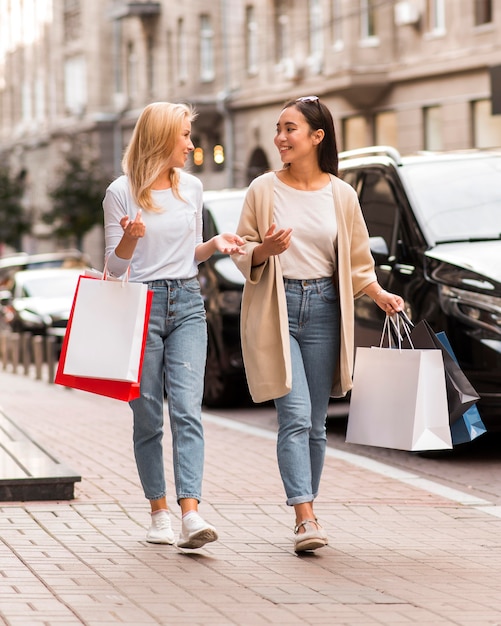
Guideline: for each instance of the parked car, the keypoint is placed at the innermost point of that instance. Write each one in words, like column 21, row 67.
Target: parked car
column 435, row 226
column 221, row 284
column 13, row 263
column 40, row 301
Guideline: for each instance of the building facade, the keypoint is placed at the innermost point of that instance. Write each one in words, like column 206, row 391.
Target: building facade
column 74, row 75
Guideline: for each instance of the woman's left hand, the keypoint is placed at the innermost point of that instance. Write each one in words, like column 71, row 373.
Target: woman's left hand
column 389, row 302
column 228, row 243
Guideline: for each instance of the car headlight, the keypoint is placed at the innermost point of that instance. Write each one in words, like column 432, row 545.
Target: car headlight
column 473, row 308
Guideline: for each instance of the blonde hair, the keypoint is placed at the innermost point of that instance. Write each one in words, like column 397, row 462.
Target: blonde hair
column 150, row 148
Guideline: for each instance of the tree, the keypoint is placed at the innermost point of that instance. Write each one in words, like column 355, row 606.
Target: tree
column 77, row 200
column 13, row 221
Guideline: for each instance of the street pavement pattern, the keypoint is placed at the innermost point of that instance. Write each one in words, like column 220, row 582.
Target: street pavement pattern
column 400, row 551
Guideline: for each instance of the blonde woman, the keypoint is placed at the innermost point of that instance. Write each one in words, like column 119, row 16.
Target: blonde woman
column 153, row 228
column 308, row 258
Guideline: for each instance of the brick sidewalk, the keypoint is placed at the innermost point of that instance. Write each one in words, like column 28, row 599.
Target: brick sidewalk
column 399, row 554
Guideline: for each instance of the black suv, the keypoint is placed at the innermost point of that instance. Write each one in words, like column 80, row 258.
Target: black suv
column 435, row 226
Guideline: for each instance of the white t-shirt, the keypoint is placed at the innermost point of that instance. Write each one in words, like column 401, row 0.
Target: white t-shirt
column 167, row 251
column 311, row 215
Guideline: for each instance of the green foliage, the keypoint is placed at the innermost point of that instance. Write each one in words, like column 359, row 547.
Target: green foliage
column 13, row 221
column 77, row 200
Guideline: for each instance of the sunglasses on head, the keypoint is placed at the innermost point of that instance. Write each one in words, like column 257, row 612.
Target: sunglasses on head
column 308, row 99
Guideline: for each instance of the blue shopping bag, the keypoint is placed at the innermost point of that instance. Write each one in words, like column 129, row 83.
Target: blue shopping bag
column 469, row 426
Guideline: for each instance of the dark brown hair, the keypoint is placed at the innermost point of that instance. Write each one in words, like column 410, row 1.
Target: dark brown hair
column 318, row 116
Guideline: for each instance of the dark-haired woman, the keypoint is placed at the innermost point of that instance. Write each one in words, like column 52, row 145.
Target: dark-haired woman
column 308, row 258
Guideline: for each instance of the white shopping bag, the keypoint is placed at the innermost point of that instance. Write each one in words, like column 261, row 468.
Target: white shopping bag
column 399, row 400
column 108, row 325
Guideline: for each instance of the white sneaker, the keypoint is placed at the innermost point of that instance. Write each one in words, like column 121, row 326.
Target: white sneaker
column 195, row 532
column 160, row 530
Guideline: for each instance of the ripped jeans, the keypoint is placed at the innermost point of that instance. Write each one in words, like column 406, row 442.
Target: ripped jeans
column 175, row 357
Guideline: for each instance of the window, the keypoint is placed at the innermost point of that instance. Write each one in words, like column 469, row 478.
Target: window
column 27, row 109
column 486, row 127
column 432, row 126
column 316, row 35
column 435, row 12
column 483, row 12
column 131, row 70
column 252, row 41
column 367, row 19
column 75, row 84
column 182, row 51
column 206, row 49
column 281, row 27
column 72, row 20
column 39, row 98
column 150, row 64
column 385, row 127
column 336, row 24
column 355, row 132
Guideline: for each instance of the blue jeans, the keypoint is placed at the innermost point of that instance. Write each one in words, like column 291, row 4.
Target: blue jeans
column 313, row 310
column 175, row 356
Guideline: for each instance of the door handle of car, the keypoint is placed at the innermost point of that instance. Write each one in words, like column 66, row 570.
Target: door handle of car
column 402, row 268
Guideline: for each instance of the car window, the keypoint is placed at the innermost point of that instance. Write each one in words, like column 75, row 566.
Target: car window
column 225, row 213
column 210, row 229
column 351, row 177
column 456, row 199
column 379, row 206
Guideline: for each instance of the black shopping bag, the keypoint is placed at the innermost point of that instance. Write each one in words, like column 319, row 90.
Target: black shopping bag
column 460, row 393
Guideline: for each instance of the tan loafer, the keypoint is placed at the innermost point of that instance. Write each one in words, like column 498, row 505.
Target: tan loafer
column 313, row 537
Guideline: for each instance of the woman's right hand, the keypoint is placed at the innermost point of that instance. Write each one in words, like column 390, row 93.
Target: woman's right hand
column 273, row 243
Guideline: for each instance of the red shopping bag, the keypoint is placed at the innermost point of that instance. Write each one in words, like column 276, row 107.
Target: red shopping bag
column 117, row 389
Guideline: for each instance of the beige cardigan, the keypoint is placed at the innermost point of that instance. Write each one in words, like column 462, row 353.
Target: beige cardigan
column 264, row 321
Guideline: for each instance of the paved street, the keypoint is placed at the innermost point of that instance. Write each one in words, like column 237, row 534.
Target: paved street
column 403, row 550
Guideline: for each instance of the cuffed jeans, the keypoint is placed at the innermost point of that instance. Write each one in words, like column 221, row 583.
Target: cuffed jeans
column 313, row 310
column 175, row 355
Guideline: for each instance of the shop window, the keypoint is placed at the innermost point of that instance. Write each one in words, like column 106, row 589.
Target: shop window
column 486, row 127
column 433, row 128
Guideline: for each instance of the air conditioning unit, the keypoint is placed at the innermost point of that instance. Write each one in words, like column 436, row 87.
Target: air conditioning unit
column 293, row 69
column 120, row 101
column 290, row 68
column 407, row 13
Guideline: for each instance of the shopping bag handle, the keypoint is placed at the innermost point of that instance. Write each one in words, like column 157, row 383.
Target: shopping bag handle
column 396, row 323
column 105, row 276
column 387, row 333
column 405, row 319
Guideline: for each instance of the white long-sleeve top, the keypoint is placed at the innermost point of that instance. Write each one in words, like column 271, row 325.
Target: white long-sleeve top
column 167, row 250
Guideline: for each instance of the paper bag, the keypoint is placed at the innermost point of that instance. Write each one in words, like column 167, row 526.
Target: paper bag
column 399, row 400
column 106, row 334
column 460, row 393
column 119, row 390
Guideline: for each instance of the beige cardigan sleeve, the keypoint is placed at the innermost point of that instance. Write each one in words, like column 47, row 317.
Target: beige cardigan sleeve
column 264, row 326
